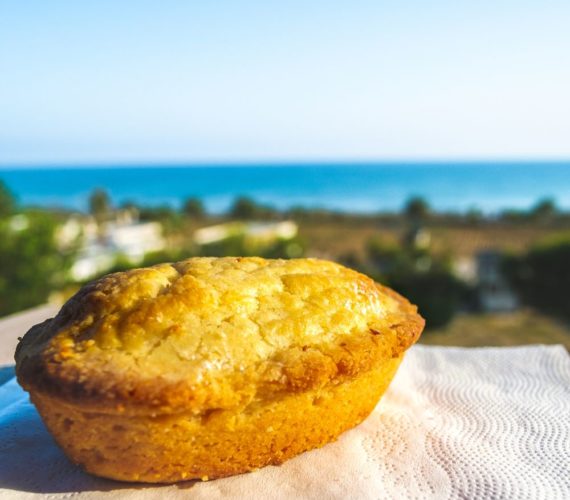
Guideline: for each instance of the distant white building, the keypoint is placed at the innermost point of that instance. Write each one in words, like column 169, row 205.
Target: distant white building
column 257, row 231
column 92, row 260
column 269, row 231
column 77, row 229
column 99, row 246
column 135, row 240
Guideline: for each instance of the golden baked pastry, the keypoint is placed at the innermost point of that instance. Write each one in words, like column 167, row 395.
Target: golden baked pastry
column 213, row 366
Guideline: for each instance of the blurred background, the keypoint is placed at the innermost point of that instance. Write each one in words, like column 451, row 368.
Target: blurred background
column 424, row 145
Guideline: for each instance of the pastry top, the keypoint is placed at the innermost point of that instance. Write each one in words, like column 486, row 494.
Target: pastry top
column 213, row 333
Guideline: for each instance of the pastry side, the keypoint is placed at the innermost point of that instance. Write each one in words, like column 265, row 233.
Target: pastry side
column 218, row 443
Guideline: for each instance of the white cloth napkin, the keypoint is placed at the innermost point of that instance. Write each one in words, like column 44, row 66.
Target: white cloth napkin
column 456, row 423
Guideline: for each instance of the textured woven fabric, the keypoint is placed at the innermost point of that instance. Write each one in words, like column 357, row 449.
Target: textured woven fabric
column 456, row 423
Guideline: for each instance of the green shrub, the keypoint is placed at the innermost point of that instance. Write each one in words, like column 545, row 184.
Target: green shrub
column 541, row 276
column 7, row 200
column 425, row 279
column 437, row 293
column 193, row 207
column 245, row 208
column 31, row 264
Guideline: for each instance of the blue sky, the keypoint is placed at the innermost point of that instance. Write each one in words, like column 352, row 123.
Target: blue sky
column 186, row 81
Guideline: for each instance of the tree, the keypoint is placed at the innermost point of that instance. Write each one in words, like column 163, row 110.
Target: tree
column 544, row 210
column 7, row 200
column 417, row 208
column 244, row 208
column 32, row 265
column 99, row 204
column 193, row 207
column 474, row 217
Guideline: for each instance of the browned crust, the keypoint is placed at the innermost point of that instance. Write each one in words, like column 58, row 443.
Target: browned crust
column 294, row 370
column 408, row 325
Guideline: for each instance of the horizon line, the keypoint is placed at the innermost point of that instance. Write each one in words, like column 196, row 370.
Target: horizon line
column 275, row 163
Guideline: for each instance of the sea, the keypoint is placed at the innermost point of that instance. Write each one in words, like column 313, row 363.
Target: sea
column 350, row 187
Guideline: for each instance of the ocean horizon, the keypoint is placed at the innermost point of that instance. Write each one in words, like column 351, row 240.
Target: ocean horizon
column 350, row 187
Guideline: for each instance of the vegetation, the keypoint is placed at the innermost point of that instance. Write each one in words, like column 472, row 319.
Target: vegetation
column 424, row 278
column 32, row 265
column 541, row 276
column 122, row 263
column 417, row 209
column 438, row 294
column 172, row 220
column 7, row 201
column 245, row 208
column 241, row 245
column 544, row 211
column 193, row 207
column 99, row 205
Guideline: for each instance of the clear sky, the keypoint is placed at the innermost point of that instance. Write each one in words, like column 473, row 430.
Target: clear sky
column 183, row 81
